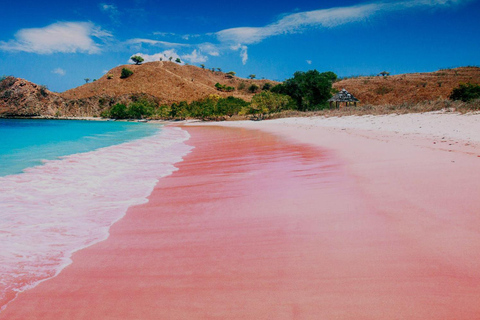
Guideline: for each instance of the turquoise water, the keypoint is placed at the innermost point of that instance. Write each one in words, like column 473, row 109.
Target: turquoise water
column 25, row 143
column 50, row 211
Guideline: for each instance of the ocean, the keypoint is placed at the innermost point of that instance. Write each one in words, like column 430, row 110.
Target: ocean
column 64, row 183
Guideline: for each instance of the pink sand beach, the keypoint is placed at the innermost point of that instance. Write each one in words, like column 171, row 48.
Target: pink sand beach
column 289, row 219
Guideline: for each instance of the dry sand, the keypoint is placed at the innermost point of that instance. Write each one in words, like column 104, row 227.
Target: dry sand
column 351, row 218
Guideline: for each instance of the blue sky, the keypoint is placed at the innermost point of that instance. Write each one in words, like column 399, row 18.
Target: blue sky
column 60, row 43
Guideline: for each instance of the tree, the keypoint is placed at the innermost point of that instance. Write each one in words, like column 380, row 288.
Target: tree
column 126, row 73
column 139, row 109
column 231, row 74
column 118, row 111
column 252, row 76
column 267, row 86
column 310, row 90
column 178, row 60
column 170, row 58
column 219, row 69
column 87, row 80
column 268, row 102
column 179, row 110
column 203, row 66
column 384, row 73
column 137, row 59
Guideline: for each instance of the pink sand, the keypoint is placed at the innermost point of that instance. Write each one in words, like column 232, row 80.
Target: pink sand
column 253, row 226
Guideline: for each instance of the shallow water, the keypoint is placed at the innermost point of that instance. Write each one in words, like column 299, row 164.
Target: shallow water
column 52, row 210
column 26, row 143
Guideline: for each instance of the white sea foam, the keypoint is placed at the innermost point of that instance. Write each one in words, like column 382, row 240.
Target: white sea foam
column 50, row 211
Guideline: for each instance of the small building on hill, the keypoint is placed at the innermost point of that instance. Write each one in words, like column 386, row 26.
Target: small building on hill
column 343, row 96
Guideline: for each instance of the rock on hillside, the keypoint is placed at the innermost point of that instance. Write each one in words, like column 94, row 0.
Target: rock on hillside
column 167, row 81
column 408, row 88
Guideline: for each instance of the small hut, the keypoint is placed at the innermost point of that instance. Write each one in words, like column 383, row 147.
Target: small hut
column 343, row 96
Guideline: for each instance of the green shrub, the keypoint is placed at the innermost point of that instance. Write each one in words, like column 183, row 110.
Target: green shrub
column 179, row 110
column 118, row 111
column 43, row 90
column 241, row 86
column 105, row 114
column 270, row 102
column 466, row 92
column 253, row 88
column 126, row 73
column 163, row 112
column 222, row 87
column 139, row 110
column 267, row 87
column 229, row 106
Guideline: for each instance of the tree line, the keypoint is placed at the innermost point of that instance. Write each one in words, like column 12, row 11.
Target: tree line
column 305, row 91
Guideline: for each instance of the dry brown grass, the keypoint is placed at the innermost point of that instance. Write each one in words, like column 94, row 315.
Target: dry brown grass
column 410, row 88
column 167, row 81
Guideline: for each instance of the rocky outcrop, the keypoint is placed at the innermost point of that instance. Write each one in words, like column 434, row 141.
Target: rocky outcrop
column 21, row 98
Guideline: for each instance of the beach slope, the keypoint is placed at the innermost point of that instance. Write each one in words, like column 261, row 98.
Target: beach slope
column 289, row 219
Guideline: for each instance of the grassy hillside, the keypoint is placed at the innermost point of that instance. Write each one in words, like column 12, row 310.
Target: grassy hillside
column 167, row 81
column 408, row 88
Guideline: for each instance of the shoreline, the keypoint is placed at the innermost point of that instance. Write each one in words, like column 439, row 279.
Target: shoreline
column 73, row 212
column 288, row 218
column 236, row 119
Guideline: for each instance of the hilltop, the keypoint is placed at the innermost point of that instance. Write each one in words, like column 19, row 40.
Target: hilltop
column 167, row 81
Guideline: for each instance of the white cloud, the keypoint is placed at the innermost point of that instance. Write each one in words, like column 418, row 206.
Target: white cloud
column 209, row 49
column 112, row 12
column 164, row 34
column 326, row 18
column 237, row 39
column 59, row 71
column 64, row 37
column 190, row 36
column 243, row 52
column 195, row 57
column 156, row 43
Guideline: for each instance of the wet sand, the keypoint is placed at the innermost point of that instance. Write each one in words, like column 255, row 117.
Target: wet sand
column 346, row 225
